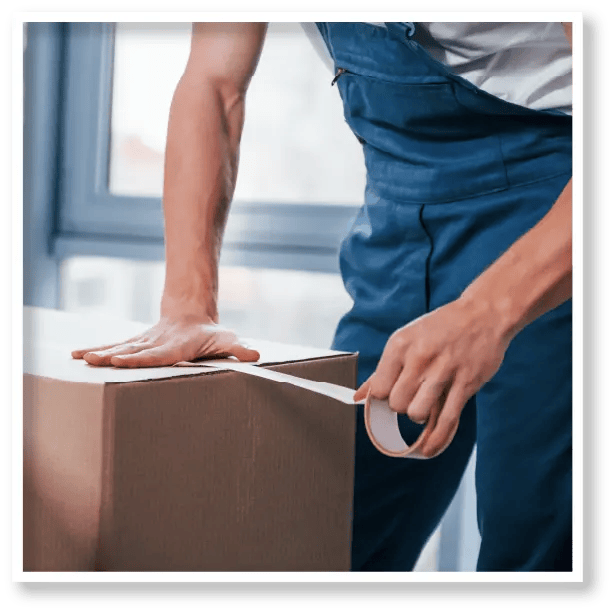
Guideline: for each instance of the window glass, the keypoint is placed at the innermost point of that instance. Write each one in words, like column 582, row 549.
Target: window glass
column 295, row 148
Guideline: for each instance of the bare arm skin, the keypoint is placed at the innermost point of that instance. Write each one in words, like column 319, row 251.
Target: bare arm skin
column 204, row 129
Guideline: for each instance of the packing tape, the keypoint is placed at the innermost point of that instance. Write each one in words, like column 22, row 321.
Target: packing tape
column 380, row 420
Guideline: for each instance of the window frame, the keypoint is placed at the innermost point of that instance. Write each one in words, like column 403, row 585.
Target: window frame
column 95, row 221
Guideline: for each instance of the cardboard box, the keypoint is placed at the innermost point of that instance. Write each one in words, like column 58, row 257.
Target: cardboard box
column 181, row 469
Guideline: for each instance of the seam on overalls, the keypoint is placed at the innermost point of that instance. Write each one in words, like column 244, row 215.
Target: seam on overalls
column 449, row 200
column 542, row 178
column 428, row 258
column 471, row 196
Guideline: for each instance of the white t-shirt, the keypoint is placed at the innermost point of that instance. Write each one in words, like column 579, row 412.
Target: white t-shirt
column 527, row 63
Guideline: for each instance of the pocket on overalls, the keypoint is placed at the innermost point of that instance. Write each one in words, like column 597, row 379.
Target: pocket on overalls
column 419, row 143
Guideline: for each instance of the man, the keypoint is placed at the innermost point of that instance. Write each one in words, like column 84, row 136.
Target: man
column 459, row 265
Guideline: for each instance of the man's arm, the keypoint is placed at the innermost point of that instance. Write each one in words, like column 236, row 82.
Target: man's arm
column 535, row 274
column 201, row 162
column 204, row 130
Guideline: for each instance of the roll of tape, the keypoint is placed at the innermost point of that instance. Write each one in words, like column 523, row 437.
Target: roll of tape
column 382, row 428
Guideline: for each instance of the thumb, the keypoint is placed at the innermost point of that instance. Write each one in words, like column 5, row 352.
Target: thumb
column 362, row 391
column 242, row 353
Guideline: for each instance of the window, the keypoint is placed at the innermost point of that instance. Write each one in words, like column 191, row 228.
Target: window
column 301, row 175
column 294, row 149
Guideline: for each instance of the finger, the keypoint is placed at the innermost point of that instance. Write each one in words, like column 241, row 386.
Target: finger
column 361, row 393
column 389, row 367
column 403, row 392
column 386, row 374
column 362, row 390
column 447, row 422
column 78, row 354
column 242, row 353
column 429, row 398
column 103, row 358
column 150, row 358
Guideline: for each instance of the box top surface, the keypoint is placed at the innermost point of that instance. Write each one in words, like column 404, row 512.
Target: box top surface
column 50, row 335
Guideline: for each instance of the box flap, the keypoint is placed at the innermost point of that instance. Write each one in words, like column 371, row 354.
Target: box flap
column 50, row 335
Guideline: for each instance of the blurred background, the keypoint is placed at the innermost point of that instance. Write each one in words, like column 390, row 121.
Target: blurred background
column 96, row 104
column 295, row 151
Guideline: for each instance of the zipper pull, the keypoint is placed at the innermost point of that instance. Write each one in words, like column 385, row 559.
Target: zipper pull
column 338, row 73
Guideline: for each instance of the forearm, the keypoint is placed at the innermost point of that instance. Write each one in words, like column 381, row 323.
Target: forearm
column 200, row 171
column 533, row 276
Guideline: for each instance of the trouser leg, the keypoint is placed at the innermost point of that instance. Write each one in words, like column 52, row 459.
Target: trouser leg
column 524, row 452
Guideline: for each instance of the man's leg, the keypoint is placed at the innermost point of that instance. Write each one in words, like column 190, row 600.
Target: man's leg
column 524, row 432
column 524, row 452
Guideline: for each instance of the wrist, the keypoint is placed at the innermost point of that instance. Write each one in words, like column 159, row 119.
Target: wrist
column 499, row 312
column 183, row 303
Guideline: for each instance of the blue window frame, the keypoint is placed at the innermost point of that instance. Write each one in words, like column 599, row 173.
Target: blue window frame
column 93, row 220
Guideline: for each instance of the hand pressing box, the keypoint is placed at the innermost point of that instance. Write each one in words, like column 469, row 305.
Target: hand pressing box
column 181, row 468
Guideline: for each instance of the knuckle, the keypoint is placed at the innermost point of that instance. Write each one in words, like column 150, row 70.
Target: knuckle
column 437, row 387
column 420, row 348
column 397, row 400
column 397, row 343
column 471, row 379
column 444, row 366
column 470, row 385
column 397, row 405
column 420, row 358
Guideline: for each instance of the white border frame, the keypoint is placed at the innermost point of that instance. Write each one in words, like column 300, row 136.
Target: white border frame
column 18, row 19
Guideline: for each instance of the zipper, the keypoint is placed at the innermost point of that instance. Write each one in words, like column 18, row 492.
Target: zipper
column 338, row 74
column 383, row 79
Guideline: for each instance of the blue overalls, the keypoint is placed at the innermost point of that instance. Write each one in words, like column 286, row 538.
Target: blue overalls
column 454, row 176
